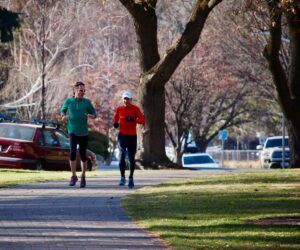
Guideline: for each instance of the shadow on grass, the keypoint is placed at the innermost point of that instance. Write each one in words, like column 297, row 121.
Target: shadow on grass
column 233, row 232
column 178, row 205
column 278, row 177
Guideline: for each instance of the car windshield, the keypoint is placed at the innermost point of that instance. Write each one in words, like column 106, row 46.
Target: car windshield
column 16, row 132
column 64, row 140
column 197, row 159
column 271, row 143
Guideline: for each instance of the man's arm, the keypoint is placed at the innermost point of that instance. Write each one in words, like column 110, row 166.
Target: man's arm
column 116, row 119
column 140, row 117
column 64, row 110
column 91, row 111
column 64, row 107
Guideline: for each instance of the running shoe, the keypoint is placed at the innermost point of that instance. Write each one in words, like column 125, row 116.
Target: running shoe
column 82, row 182
column 73, row 180
column 122, row 181
column 130, row 183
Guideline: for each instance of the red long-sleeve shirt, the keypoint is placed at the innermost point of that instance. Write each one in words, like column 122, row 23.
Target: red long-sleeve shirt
column 128, row 127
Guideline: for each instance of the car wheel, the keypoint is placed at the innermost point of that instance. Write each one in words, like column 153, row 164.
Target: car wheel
column 89, row 165
column 40, row 165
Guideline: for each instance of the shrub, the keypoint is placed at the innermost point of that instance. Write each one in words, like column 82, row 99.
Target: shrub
column 98, row 143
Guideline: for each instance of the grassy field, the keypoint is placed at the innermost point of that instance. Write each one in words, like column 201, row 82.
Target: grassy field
column 11, row 177
column 223, row 212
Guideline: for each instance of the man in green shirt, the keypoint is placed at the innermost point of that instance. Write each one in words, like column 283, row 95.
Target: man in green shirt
column 76, row 111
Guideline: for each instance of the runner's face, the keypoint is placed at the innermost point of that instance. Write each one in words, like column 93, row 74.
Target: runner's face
column 126, row 101
column 79, row 91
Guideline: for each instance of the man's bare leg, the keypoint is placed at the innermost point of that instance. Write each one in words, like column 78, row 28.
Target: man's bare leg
column 83, row 170
column 73, row 170
column 73, row 167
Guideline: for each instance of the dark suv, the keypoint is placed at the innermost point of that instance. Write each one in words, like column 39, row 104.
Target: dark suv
column 36, row 146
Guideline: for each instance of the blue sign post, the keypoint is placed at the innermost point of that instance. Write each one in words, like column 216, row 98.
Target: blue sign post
column 223, row 135
column 261, row 140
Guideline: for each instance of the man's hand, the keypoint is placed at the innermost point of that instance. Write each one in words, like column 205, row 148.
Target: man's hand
column 116, row 125
column 64, row 117
column 130, row 119
column 91, row 116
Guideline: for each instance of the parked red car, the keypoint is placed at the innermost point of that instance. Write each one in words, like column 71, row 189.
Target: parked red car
column 36, row 146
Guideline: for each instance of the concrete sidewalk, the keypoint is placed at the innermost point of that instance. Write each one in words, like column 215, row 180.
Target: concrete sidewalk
column 53, row 215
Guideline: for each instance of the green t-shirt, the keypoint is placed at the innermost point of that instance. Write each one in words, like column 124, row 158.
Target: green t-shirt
column 77, row 111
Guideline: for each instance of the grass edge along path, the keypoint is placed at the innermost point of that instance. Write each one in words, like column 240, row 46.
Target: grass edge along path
column 222, row 211
column 12, row 177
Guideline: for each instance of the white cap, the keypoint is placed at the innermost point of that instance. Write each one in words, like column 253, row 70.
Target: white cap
column 127, row 94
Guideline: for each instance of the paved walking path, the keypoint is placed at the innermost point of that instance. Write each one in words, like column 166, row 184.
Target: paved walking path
column 52, row 215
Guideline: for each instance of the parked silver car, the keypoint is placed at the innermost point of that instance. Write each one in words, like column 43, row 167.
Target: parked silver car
column 271, row 154
column 199, row 161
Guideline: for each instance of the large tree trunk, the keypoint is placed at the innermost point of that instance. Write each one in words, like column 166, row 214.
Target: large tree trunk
column 293, row 121
column 293, row 127
column 201, row 143
column 287, row 86
column 156, row 72
column 293, row 19
column 151, row 152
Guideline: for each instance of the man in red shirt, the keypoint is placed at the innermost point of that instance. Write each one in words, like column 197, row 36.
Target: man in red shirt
column 126, row 118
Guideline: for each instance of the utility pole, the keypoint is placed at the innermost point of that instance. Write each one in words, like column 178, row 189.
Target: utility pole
column 43, row 58
column 223, row 135
column 283, row 141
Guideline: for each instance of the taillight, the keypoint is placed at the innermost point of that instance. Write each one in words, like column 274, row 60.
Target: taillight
column 16, row 149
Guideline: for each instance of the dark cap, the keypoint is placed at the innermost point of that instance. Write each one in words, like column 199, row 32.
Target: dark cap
column 78, row 84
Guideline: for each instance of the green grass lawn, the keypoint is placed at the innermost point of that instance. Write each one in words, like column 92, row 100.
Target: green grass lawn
column 219, row 212
column 11, row 177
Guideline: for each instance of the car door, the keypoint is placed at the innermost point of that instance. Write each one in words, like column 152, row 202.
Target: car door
column 54, row 155
column 64, row 142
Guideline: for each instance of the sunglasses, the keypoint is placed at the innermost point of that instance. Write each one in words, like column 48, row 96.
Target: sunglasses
column 126, row 98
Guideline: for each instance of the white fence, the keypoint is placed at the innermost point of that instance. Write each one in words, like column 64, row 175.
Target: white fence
column 235, row 155
column 231, row 158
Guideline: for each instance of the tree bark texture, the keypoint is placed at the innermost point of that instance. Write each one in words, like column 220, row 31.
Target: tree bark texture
column 293, row 19
column 201, row 143
column 152, row 139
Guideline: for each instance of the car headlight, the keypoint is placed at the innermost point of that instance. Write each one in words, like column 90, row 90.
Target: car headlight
column 266, row 154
